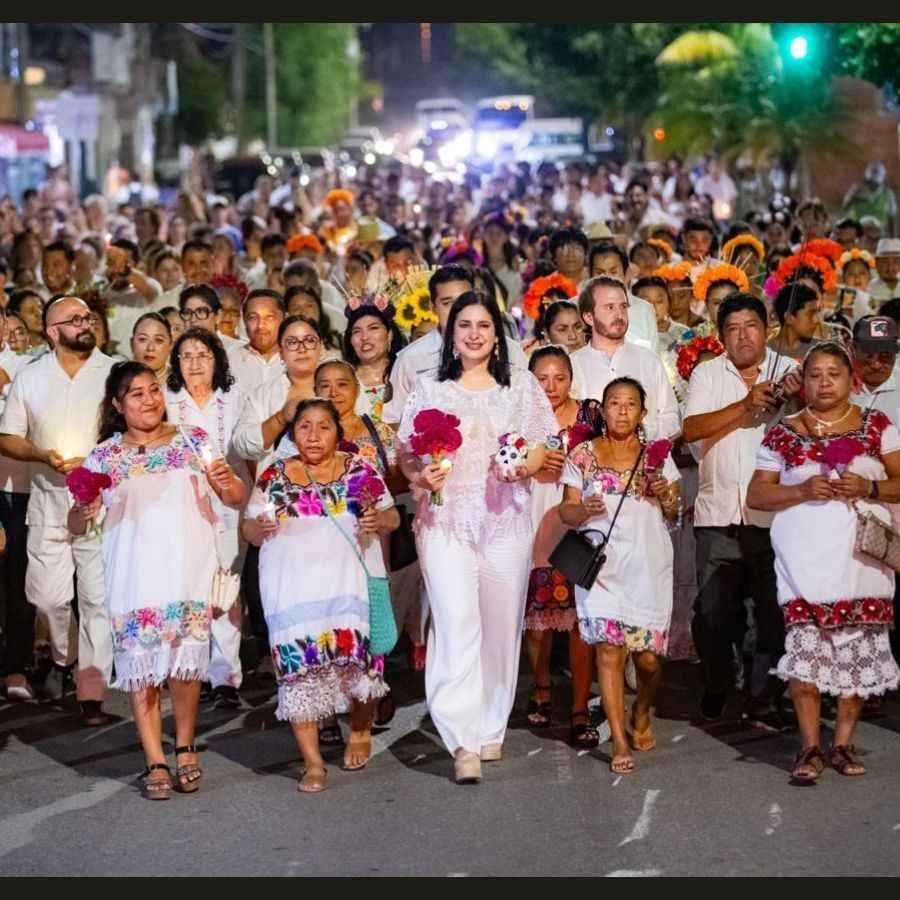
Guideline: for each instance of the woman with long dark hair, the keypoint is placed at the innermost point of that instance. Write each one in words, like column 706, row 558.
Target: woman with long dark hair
column 159, row 560
column 475, row 547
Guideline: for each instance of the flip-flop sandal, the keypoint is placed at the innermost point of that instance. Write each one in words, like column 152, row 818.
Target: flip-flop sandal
column 313, row 782
column 350, row 745
column 622, row 765
column 641, row 740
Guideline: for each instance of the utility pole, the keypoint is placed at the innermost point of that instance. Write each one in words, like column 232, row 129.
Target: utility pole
column 271, row 100
column 239, row 83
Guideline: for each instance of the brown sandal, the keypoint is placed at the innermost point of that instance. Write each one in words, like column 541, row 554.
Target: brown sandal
column 809, row 765
column 641, row 740
column 188, row 775
column 842, row 758
column 155, row 787
column 313, row 780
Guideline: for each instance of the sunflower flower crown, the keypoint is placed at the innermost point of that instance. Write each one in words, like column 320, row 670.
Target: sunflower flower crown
column 719, row 272
column 412, row 298
column 533, row 301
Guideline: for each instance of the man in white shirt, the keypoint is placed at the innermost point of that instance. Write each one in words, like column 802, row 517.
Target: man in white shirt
column 130, row 293
column 607, row 258
column 886, row 285
column 423, row 357
column 875, row 355
column 50, row 421
column 731, row 399
column 604, row 305
column 717, row 183
column 257, row 361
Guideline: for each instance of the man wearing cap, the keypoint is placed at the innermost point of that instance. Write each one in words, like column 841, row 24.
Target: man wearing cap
column 887, row 263
column 873, row 198
column 875, row 356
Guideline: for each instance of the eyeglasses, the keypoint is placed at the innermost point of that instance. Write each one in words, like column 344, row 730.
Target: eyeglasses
column 310, row 342
column 17, row 332
column 202, row 313
column 77, row 321
column 195, row 357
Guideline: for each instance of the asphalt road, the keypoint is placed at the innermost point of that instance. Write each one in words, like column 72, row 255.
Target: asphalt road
column 707, row 801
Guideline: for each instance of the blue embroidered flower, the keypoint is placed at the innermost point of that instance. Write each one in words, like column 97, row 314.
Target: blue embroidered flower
column 289, row 658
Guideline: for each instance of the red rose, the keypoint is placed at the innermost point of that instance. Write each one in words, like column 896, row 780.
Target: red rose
column 345, row 642
column 85, row 485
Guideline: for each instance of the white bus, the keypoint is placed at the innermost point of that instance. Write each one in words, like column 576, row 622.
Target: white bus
column 498, row 125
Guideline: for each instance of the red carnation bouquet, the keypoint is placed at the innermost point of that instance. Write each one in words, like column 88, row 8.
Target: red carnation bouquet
column 839, row 453
column 85, row 486
column 435, row 438
column 364, row 490
column 655, row 456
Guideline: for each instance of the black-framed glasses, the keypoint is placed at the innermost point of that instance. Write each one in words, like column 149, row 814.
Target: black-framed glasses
column 202, row 313
column 78, row 321
column 310, row 342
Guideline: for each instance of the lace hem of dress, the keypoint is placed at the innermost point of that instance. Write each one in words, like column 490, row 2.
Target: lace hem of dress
column 136, row 670
column 633, row 638
column 839, row 613
column 862, row 666
column 550, row 620
column 326, row 692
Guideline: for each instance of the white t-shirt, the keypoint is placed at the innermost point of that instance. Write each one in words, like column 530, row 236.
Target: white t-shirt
column 15, row 476
column 251, row 369
column 124, row 309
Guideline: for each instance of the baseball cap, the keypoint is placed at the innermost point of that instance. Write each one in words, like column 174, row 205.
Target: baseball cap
column 876, row 334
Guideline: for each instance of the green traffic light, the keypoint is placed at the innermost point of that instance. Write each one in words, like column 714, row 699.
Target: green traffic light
column 799, row 47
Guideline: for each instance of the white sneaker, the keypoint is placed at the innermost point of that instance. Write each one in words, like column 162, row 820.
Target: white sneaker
column 21, row 693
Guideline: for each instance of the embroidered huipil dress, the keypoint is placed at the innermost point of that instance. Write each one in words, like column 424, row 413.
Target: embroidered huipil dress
column 630, row 604
column 837, row 603
column 159, row 559
column 550, row 603
column 315, row 594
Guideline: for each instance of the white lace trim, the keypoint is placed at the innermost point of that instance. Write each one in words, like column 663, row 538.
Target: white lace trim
column 862, row 667
column 139, row 669
column 551, row 620
column 326, row 692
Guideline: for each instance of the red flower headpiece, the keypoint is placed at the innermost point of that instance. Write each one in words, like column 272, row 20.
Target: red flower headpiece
column 229, row 282
column 533, row 300
column 824, row 247
column 299, row 242
column 689, row 354
column 789, row 267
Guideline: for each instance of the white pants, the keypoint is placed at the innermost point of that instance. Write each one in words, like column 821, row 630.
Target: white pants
column 54, row 558
column 225, row 632
column 477, row 597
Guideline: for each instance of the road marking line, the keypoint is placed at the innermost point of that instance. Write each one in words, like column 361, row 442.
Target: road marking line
column 617, row 781
column 535, row 752
column 774, row 818
column 642, row 826
column 634, row 873
column 677, row 738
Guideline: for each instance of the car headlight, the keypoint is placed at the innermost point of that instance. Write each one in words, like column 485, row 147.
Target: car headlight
column 417, row 156
column 486, row 145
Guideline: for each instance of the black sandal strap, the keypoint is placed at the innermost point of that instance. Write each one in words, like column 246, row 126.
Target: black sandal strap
column 187, row 748
column 156, row 766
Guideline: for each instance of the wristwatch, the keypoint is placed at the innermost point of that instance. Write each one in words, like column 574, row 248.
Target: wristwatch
column 873, row 491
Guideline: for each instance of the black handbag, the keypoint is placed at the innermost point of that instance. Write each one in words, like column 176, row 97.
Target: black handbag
column 402, row 541
column 577, row 557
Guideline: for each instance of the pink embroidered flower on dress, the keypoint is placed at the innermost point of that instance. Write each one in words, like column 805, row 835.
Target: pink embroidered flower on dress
column 609, row 483
column 308, row 504
column 839, row 453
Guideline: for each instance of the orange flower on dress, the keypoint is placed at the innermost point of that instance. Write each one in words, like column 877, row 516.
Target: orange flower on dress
column 720, row 272
column 680, row 271
column 533, row 301
column 743, row 240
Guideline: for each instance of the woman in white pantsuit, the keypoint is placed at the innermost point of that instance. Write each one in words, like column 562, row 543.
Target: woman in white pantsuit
column 475, row 548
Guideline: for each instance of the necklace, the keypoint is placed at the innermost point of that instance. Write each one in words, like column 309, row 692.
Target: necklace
column 823, row 423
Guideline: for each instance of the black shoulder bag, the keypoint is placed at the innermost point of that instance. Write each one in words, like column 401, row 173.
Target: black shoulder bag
column 579, row 559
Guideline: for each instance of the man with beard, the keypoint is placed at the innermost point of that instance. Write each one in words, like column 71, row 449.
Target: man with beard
column 604, row 304
column 730, row 401
column 50, row 421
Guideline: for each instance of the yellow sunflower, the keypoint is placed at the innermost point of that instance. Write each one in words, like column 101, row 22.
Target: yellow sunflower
column 407, row 313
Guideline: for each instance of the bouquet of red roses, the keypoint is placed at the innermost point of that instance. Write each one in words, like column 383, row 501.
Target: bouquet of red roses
column 436, row 436
column 85, row 486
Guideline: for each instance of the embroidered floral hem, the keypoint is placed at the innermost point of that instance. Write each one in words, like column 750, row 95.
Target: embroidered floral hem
column 182, row 660
column 550, row 603
column 326, row 691
column 846, row 662
column 551, row 620
column 633, row 638
column 840, row 613
column 151, row 627
column 341, row 646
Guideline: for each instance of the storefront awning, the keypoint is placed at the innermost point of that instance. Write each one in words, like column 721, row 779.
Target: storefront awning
column 17, row 141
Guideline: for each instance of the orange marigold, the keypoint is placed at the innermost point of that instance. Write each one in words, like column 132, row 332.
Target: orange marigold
column 720, row 272
column 533, row 300
column 299, row 242
column 806, row 261
column 824, row 247
column 855, row 254
column 680, row 271
column 743, row 240
column 336, row 195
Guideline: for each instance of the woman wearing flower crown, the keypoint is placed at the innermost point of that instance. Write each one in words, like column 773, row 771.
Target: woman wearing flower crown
column 818, row 471
column 628, row 608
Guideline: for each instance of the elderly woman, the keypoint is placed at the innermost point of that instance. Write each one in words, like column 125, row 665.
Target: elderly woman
column 817, row 471
column 315, row 533
column 159, row 560
column 475, row 547
column 201, row 394
column 371, row 344
column 151, row 344
column 550, row 603
column 629, row 606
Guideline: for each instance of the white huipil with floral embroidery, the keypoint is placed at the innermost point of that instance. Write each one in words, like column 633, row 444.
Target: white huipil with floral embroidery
column 159, row 559
column 634, row 587
column 476, row 506
column 315, row 593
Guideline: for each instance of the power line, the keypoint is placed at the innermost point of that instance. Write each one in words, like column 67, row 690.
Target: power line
column 207, row 34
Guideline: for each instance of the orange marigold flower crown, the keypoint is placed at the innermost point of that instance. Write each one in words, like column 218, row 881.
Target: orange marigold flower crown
column 680, row 271
column 824, row 247
column 336, row 195
column 299, row 242
column 664, row 247
column 853, row 255
column 720, row 272
column 805, row 260
column 743, row 240
column 533, row 300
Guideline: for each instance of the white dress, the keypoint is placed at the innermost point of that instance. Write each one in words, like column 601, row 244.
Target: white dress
column 158, row 559
column 630, row 604
column 837, row 603
column 315, row 594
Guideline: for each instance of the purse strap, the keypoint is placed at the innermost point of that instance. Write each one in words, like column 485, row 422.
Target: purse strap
column 335, row 522
column 612, row 524
column 379, row 444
